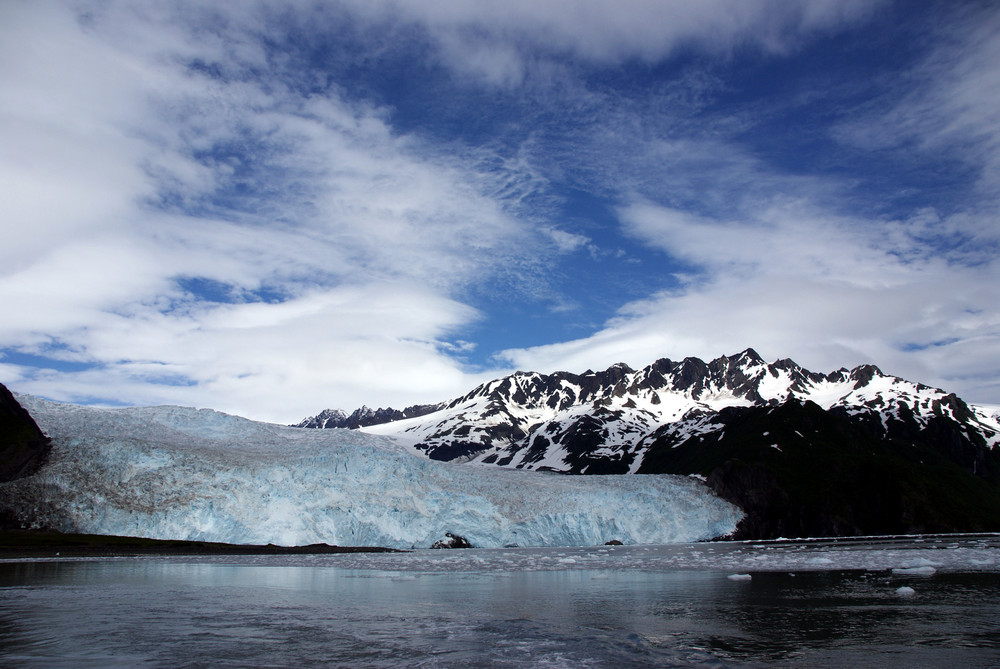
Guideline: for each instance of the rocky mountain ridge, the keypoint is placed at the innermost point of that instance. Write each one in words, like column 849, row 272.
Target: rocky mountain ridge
column 606, row 421
column 803, row 454
column 364, row 417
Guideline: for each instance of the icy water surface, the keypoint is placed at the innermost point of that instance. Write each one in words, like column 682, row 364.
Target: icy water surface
column 896, row 603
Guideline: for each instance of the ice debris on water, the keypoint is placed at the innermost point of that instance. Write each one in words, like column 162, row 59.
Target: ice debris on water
column 820, row 561
column 905, row 591
column 739, row 577
column 918, row 567
column 872, row 559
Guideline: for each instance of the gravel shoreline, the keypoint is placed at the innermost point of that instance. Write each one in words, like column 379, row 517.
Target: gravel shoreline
column 37, row 543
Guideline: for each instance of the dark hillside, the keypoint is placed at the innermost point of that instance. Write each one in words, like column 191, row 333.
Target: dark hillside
column 23, row 447
column 799, row 471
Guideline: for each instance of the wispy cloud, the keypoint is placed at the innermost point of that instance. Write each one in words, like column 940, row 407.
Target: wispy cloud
column 278, row 206
column 797, row 283
column 768, row 258
column 500, row 42
column 129, row 170
column 948, row 105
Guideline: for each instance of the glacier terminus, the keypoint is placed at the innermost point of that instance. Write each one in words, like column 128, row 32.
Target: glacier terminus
column 179, row 473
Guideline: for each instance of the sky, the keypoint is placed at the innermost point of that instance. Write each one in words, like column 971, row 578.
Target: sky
column 274, row 207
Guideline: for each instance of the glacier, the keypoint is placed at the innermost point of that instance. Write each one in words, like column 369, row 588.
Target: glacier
column 197, row 474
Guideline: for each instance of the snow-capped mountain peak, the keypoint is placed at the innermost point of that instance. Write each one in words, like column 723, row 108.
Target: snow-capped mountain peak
column 604, row 421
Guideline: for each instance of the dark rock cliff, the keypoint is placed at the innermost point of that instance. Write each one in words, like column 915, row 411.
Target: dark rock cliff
column 23, row 447
column 799, row 471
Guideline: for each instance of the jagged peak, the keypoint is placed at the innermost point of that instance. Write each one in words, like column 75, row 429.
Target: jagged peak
column 863, row 374
column 786, row 364
column 749, row 356
column 322, row 418
column 622, row 366
column 742, row 377
column 694, row 360
column 691, row 366
column 662, row 365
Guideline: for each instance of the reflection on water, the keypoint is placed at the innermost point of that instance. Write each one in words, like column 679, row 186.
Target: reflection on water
column 282, row 612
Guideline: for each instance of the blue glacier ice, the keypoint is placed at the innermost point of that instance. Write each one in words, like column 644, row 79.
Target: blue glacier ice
column 181, row 473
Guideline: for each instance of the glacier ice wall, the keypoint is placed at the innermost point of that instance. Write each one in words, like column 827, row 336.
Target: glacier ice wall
column 178, row 473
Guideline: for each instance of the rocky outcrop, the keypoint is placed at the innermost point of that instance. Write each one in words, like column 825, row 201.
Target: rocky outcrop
column 452, row 541
column 23, row 447
column 364, row 417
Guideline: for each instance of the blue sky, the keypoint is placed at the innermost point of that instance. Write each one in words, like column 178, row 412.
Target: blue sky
column 271, row 208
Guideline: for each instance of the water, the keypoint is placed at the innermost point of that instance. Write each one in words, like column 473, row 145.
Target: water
column 804, row 604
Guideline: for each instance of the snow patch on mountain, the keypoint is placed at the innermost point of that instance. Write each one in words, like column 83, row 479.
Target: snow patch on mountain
column 604, row 421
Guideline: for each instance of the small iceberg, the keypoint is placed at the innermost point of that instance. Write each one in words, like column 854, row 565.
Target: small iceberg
column 914, row 571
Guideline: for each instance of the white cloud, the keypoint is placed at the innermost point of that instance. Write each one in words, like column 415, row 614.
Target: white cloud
column 273, row 361
column 270, row 361
column 776, row 270
column 496, row 40
column 826, row 292
column 126, row 171
column 948, row 107
column 65, row 170
column 784, row 240
column 143, row 144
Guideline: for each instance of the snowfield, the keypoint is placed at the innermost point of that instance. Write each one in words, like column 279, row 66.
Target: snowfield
column 179, row 473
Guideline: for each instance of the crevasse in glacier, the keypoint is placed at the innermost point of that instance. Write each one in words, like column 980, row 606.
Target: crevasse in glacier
column 178, row 473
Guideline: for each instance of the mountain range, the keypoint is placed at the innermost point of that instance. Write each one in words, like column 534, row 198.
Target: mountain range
column 802, row 453
column 754, row 450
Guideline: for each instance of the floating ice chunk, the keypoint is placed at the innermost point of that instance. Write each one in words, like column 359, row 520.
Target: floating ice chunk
column 921, row 562
column 914, row 571
column 905, row 591
column 739, row 577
